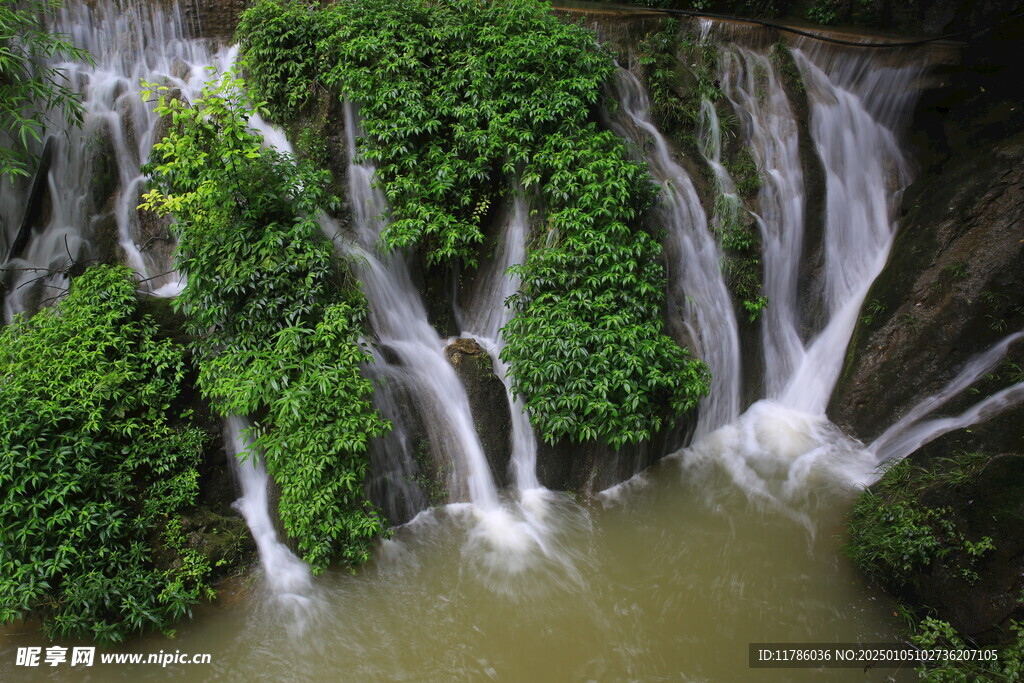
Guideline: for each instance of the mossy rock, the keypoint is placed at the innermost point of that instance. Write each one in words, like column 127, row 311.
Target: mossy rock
column 488, row 402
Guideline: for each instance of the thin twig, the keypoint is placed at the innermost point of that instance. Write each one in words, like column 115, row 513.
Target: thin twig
column 156, row 276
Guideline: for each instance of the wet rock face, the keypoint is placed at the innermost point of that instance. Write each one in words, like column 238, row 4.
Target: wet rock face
column 992, row 505
column 953, row 287
column 487, row 401
column 213, row 19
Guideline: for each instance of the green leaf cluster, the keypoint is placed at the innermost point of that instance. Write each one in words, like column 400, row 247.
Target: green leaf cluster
column 586, row 347
column 894, row 536
column 932, row 633
column 93, row 463
column 453, row 95
column 459, row 97
column 680, row 72
column 824, row 11
column 276, row 319
column 29, row 86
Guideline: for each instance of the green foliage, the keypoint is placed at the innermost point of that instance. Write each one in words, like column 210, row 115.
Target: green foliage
column 933, row 633
column 823, row 12
column 743, row 171
column 458, row 98
column 586, row 346
column 29, row 88
column 782, row 58
column 453, row 95
column 742, row 247
column 661, row 71
column 276, row 322
column 893, row 536
column 93, row 465
column 872, row 309
column 956, row 271
column 754, row 307
column 679, row 73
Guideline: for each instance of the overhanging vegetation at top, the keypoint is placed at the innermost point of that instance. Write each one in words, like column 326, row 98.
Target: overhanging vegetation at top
column 461, row 100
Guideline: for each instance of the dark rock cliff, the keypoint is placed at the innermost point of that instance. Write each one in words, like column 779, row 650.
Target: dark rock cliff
column 953, row 288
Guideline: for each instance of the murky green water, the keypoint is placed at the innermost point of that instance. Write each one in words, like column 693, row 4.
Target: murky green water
column 668, row 580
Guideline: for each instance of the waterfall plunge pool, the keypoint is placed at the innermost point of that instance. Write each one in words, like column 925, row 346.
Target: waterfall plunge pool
column 667, row 577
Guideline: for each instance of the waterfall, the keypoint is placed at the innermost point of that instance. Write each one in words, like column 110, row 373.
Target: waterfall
column 769, row 128
column 783, row 449
column 287, row 577
column 855, row 111
column 483, row 319
column 780, row 448
column 696, row 285
column 95, row 182
column 503, row 539
column 910, row 433
column 399, row 319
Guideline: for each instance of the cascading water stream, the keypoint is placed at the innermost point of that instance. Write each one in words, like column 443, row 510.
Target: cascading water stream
column 287, row 577
column 769, row 130
column 399, row 319
column 696, row 284
column 95, row 181
column 504, row 539
column 910, row 433
column 852, row 124
column 783, row 449
column 483, row 319
column 663, row 585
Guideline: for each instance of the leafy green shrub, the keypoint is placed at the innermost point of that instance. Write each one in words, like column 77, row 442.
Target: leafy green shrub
column 660, row 71
column 743, row 171
column 679, row 73
column 276, row 320
column 893, row 535
column 933, row 633
column 586, row 346
column 93, row 463
column 452, row 94
column 824, row 12
column 460, row 98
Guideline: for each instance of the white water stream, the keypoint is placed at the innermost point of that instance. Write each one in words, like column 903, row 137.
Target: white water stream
column 485, row 316
column 131, row 43
column 697, row 288
column 399, row 319
column 288, row 579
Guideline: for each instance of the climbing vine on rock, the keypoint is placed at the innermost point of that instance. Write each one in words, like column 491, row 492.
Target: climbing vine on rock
column 276, row 319
column 458, row 99
column 94, row 466
column 586, row 346
column 680, row 71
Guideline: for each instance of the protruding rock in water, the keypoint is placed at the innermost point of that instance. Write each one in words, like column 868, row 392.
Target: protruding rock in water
column 129, row 127
column 106, row 244
column 104, row 176
column 155, row 238
column 590, row 467
column 487, row 401
column 223, row 540
column 163, row 124
column 180, row 69
column 34, row 207
column 989, row 504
